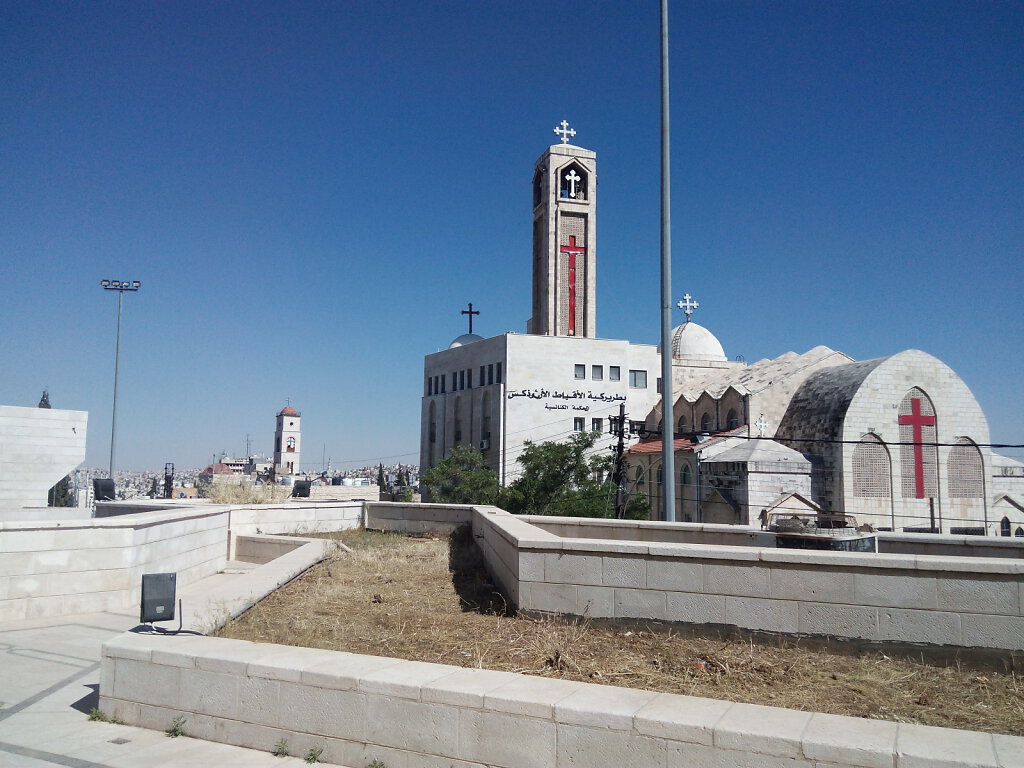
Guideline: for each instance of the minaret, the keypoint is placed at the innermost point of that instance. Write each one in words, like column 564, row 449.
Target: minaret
column 564, row 240
column 287, row 441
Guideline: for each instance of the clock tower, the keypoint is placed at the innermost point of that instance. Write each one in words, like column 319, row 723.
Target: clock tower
column 287, row 441
column 564, row 240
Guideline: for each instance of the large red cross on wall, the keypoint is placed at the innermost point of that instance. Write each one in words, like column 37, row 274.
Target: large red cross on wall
column 917, row 420
column 572, row 250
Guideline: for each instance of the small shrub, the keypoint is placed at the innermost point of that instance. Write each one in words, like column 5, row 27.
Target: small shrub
column 281, row 749
column 377, row 764
column 98, row 716
column 313, row 756
column 177, row 727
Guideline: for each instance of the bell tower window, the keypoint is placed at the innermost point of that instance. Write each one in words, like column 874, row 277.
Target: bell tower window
column 572, row 183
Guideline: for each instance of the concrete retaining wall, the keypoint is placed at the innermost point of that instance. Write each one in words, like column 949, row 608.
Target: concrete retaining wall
column 296, row 517
column 416, row 518
column 67, row 567
column 417, row 715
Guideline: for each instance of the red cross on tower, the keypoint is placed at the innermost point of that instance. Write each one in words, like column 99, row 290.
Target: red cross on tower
column 572, row 250
column 917, row 420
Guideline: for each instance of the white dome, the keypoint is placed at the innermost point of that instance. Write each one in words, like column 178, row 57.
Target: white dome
column 695, row 342
column 464, row 339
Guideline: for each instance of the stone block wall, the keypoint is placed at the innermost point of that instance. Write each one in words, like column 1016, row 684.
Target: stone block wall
column 38, row 447
column 419, row 715
column 81, row 566
column 416, row 518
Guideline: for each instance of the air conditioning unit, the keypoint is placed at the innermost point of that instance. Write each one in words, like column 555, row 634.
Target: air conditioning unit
column 485, row 444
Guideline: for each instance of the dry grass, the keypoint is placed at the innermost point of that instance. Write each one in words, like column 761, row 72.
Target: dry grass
column 246, row 493
column 418, row 598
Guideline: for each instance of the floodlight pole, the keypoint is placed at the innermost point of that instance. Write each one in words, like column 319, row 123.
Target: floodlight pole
column 120, row 286
column 668, row 488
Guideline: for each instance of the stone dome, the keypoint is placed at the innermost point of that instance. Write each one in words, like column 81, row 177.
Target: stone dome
column 464, row 339
column 288, row 411
column 695, row 342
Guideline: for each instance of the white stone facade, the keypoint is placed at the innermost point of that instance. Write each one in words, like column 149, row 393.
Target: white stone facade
column 288, row 441
column 38, row 447
column 498, row 393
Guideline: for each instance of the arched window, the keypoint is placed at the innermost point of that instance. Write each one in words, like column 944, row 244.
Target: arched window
column 965, row 470
column 660, row 476
column 1004, row 527
column 705, row 422
column 1020, row 532
column 871, row 469
column 291, row 445
column 918, row 453
column 640, row 479
column 572, row 183
column 732, row 420
column 682, row 423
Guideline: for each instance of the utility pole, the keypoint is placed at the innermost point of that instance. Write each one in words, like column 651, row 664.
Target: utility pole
column 668, row 486
column 617, row 474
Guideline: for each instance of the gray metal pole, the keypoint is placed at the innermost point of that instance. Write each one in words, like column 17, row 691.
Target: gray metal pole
column 668, row 487
column 117, row 363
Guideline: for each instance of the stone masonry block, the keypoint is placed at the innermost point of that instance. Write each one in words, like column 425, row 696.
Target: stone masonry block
column 741, row 579
column 919, row 626
column 530, row 696
column 209, row 693
column 850, row 741
column 402, row 680
column 769, row 615
column 920, row 746
column 696, row 608
column 624, row 571
column 465, row 687
column 413, row 725
column 896, row 589
column 531, row 566
column 681, row 718
column 499, row 739
column 764, row 730
column 602, row 706
column 675, row 574
column 562, row 568
column 601, row 748
column 553, row 598
column 595, row 602
column 811, row 584
column 1009, row 750
column 684, row 755
column 839, row 620
column 343, row 670
column 983, row 594
column 981, row 631
column 259, row 700
column 147, row 683
column 640, row 604
column 339, row 714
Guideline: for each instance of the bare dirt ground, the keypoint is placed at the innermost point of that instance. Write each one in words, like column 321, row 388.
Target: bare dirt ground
column 428, row 600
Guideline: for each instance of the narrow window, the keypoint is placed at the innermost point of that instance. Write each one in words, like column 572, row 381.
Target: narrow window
column 490, row 373
column 597, row 425
column 455, row 381
column 483, row 379
column 497, row 374
column 638, row 379
column 581, row 371
column 613, row 373
column 577, row 424
column 597, row 372
column 659, row 385
column 469, row 378
column 443, row 380
column 462, row 379
column 430, row 386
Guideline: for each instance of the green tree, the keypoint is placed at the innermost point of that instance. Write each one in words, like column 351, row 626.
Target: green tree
column 380, row 477
column 563, row 479
column 462, row 478
column 60, row 494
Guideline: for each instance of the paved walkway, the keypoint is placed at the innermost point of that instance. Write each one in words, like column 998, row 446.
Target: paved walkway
column 49, row 681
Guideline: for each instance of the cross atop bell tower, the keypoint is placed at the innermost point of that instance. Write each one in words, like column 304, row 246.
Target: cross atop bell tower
column 564, row 240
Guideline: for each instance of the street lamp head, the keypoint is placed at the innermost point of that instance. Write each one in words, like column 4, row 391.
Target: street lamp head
column 121, row 285
column 104, row 283
column 136, row 284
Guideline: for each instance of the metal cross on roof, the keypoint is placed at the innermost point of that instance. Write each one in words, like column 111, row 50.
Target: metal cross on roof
column 470, row 312
column 687, row 305
column 761, row 424
column 564, row 131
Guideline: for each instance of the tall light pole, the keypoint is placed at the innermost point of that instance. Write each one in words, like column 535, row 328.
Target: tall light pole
column 667, row 426
column 120, row 286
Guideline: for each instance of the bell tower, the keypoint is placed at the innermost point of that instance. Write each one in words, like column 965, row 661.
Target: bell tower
column 287, row 441
column 564, row 240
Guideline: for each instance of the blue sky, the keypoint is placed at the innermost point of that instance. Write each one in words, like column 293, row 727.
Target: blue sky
column 311, row 192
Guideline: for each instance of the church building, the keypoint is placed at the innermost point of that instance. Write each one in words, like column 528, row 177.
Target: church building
column 899, row 441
